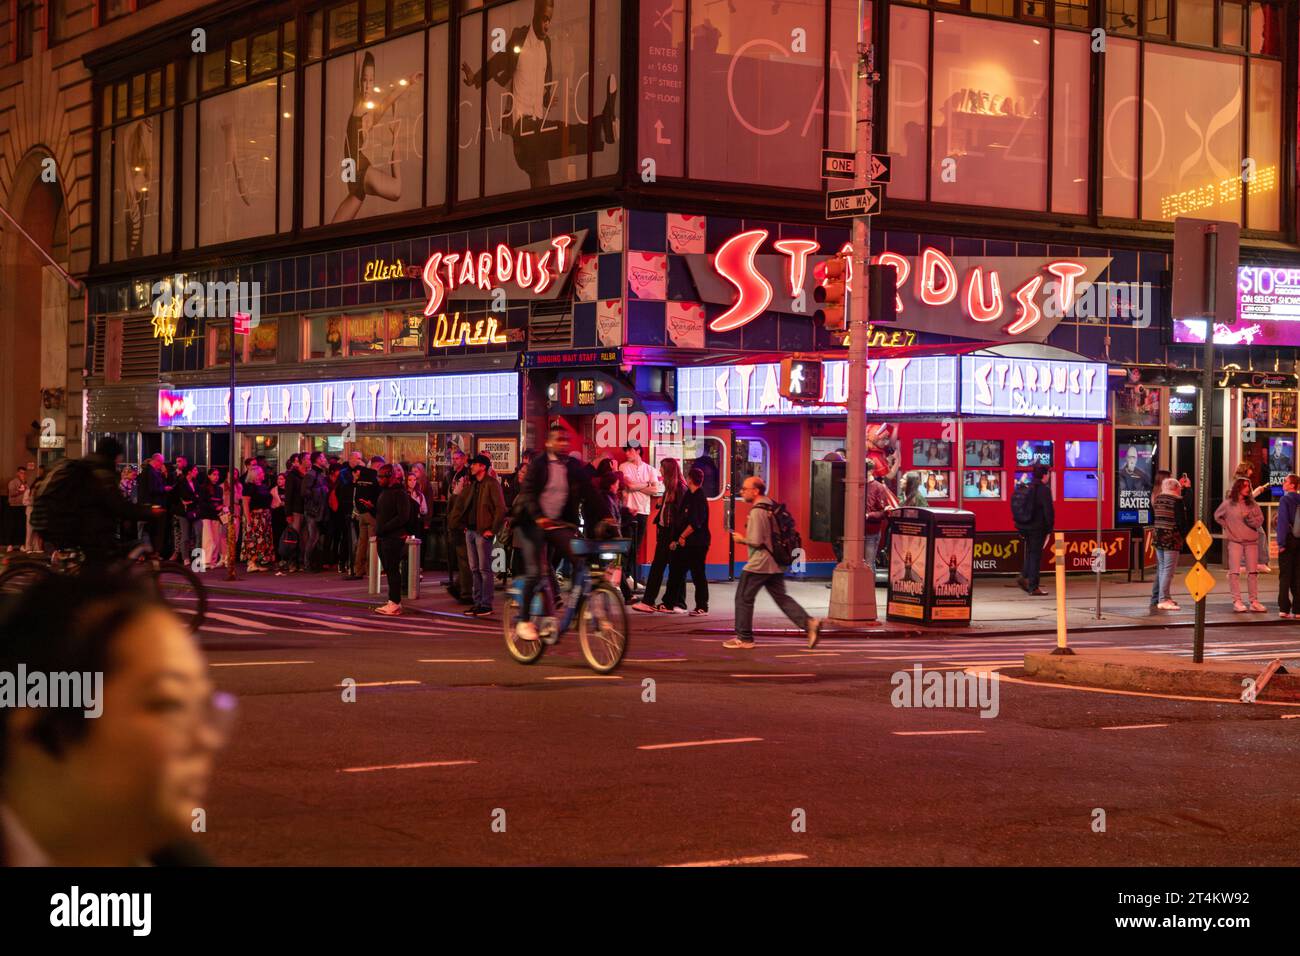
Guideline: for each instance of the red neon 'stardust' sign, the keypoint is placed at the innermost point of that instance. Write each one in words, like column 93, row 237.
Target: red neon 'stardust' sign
column 978, row 294
column 445, row 272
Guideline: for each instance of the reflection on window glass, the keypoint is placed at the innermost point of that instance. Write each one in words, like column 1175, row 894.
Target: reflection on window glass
column 1266, row 28
column 1195, row 22
column 1157, row 21
column 264, row 52
column 1263, row 192
column 1072, row 13
column 342, row 29
column 290, row 45
column 264, row 342
column 410, row 449
column 405, row 332
column 374, row 22
column 238, row 62
column 750, row 459
column 214, row 70
column 1232, row 24
column 1001, row 8
column 406, row 12
column 122, row 104
column 909, row 42
column 1119, row 171
column 1195, row 169
column 365, row 335
column 704, row 454
column 324, row 336
column 1122, row 16
column 137, row 95
column 155, row 90
column 315, row 41
column 1072, row 125
column 989, row 119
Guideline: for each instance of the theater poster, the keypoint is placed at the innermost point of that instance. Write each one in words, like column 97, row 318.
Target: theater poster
column 908, row 544
column 952, row 571
column 1135, row 455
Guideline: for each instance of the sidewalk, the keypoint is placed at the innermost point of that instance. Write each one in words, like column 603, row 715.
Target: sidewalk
column 999, row 608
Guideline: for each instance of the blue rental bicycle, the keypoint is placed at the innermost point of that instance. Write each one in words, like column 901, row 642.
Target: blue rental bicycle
column 593, row 598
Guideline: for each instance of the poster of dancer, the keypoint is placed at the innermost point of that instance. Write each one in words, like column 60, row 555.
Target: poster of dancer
column 237, row 167
column 374, row 130
column 544, row 110
column 136, row 192
column 907, row 567
column 951, row 572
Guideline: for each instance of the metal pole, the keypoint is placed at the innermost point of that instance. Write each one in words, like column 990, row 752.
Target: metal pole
column 1100, row 543
column 853, row 585
column 1058, row 552
column 232, row 528
column 1206, row 418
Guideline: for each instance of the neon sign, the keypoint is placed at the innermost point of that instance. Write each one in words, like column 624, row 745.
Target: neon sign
column 377, row 270
column 167, row 314
column 449, row 333
column 1212, row 194
column 529, row 271
column 1032, row 388
column 998, row 298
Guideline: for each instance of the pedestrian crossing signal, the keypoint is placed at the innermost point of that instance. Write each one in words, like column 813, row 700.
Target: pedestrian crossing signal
column 830, row 293
column 801, row 381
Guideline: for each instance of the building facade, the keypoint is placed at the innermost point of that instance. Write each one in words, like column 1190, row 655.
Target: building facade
column 450, row 222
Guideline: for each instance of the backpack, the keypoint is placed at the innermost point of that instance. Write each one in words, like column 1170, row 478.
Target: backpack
column 315, row 496
column 1022, row 506
column 785, row 536
column 289, row 544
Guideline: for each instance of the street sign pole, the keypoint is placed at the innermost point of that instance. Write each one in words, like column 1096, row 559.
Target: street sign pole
column 1206, row 418
column 853, row 584
column 232, row 529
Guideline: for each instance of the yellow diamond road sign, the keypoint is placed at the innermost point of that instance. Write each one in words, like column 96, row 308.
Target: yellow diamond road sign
column 1199, row 540
column 1200, row 582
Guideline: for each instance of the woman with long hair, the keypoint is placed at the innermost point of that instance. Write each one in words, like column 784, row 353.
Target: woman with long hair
column 912, row 495
column 1242, row 520
column 1246, row 470
column 259, row 551
column 367, row 108
column 666, row 523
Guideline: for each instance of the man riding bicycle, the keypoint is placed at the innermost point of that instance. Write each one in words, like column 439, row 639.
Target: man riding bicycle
column 81, row 505
column 551, row 497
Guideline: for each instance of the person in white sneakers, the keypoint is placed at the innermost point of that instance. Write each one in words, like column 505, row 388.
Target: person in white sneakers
column 762, row 572
column 640, row 480
column 392, row 518
column 1167, row 539
column 1241, row 519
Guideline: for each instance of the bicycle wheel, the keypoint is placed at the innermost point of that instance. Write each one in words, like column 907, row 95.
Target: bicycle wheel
column 182, row 591
column 525, row 652
column 602, row 628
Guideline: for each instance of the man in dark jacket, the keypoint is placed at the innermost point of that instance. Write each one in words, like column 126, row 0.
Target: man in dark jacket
column 343, row 493
column 1288, row 550
column 392, row 518
column 1041, row 524
column 483, row 519
column 546, row 514
column 153, row 490
column 459, row 483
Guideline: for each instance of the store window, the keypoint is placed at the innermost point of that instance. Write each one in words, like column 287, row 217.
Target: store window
column 909, row 82
column 1071, row 123
column 390, row 332
column 989, row 119
column 260, row 346
column 1120, row 130
column 751, row 458
column 703, row 453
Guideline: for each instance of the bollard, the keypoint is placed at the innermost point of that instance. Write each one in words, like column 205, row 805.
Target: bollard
column 1058, row 550
column 375, row 570
column 412, row 568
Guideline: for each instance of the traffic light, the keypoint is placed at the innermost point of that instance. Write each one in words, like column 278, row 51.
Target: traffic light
column 830, row 294
column 882, row 281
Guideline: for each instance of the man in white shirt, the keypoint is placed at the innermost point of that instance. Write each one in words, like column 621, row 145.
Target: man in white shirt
column 641, row 481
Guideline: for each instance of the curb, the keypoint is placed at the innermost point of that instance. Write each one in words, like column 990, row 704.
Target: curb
column 1154, row 674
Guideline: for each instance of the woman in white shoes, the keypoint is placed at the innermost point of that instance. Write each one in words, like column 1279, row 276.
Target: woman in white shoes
column 1241, row 519
column 1247, row 470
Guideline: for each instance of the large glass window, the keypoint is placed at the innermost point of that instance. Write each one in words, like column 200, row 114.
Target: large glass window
column 909, row 87
column 387, row 332
column 1120, row 131
column 989, row 113
column 1070, row 123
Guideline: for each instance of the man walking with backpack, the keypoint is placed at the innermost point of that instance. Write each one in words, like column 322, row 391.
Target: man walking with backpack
column 1031, row 509
column 771, row 540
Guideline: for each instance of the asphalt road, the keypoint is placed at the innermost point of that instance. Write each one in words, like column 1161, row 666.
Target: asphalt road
column 452, row 754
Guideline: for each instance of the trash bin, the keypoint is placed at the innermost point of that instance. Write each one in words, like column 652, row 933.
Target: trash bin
column 931, row 554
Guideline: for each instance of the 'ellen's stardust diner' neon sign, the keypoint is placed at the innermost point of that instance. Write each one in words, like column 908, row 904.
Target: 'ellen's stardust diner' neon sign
column 979, row 293
column 535, row 272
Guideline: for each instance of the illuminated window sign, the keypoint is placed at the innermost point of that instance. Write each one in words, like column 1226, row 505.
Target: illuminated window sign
column 530, row 271
column 1032, row 388
column 377, row 270
column 922, row 385
column 454, row 331
column 475, row 397
column 1268, row 311
column 1214, row 194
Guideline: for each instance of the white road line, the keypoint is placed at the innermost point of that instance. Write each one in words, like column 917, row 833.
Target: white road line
column 239, row 621
column 744, row 860
column 256, row 663
column 455, row 660
column 588, row 677
column 1140, row 693
column 932, row 733
column 1290, row 716
column 807, row 654
column 382, row 683
column 701, row 743
column 759, row 676
column 1135, row 727
column 656, row 660
column 409, row 766
column 223, row 600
